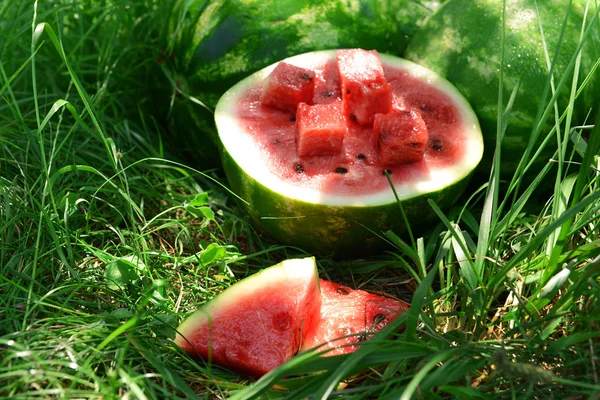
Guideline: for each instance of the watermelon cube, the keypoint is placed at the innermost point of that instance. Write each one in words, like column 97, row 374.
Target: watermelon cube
column 365, row 90
column 287, row 86
column 320, row 129
column 402, row 137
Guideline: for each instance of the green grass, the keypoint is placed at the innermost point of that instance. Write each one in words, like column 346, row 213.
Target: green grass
column 108, row 238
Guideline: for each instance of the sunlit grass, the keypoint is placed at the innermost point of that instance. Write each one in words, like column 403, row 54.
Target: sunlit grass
column 108, row 239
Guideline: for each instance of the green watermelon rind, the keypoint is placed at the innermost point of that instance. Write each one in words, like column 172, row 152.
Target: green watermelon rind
column 326, row 223
column 462, row 42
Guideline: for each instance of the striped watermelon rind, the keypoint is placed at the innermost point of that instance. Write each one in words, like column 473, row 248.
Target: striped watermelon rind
column 210, row 46
column 462, row 42
column 345, row 225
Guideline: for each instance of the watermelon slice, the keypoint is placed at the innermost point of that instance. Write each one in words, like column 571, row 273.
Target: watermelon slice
column 350, row 316
column 258, row 323
column 342, row 203
column 264, row 320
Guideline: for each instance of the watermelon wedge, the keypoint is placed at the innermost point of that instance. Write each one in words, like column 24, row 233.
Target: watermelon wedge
column 304, row 188
column 264, row 320
column 258, row 323
column 350, row 316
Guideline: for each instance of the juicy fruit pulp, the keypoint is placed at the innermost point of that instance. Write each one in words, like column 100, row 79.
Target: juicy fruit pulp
column 350, row 316
column 343, row 203
column 262, row 321
column 258, row 323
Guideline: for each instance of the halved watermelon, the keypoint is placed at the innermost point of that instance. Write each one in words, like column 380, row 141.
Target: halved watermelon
column 258, row 323
column 340, row 203
column 350, row 316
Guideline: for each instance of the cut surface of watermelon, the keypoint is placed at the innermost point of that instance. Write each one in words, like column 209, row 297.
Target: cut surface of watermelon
column 258, row 323
column 350, row 316
column 315, row 201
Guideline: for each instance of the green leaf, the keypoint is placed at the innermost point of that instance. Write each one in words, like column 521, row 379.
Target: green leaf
column 199, row 207
column 120, row 273
column 212, row 253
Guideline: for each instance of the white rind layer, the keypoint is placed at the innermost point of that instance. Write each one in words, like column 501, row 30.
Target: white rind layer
column 247, row 153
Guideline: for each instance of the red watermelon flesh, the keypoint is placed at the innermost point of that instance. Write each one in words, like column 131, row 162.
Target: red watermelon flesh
column 320, row 129
column 258, row 323
column 350, row 316
column 328, row 88
column 287, row 86
column 365, row 90
column 402, row 137
column 357, row 170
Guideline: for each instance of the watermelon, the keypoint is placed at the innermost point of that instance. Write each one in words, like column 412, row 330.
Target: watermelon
column 339, row 203
column 320, row 129
column 258, row 323
column 265, row 319
column 348, row 317
column 365, row 90
column 210, row 46
column 462, row 41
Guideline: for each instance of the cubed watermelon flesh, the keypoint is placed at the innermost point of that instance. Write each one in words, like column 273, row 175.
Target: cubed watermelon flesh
column 365, row 90
column 309, row 153
column 287, row 86
column 350, row 316
column 262, row 321
column 320, row 129
column 402, row 137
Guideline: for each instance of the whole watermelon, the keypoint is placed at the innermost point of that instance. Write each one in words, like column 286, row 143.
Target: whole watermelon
column 462, row 41
column 208, row 46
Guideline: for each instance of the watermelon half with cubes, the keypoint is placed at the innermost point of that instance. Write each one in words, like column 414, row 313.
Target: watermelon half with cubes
column 329, row 150
column 262, row 321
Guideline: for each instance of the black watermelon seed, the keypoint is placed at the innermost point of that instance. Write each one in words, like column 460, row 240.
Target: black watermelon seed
column 361, row 338
column 437, row 145
column 341, row 170
column 378, row 318
column 347, row 91
column 342, row 291
column 306, row 76
column 292, row 119
column 299, row 168
column 353, row 117
column 361, row 156
column 328, row 93
column 415, row 144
